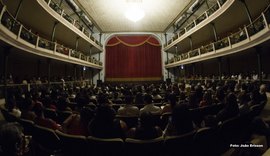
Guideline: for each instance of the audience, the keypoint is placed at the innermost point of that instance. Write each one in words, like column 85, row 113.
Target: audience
column 146, row 129
column 231, row 108
column 11, row 139
column 149, row 106
column 128, row 109
column 77, row 124
column 181, row 121
column 27, row 112
column 104, row 124
column 172, row 99
column 45, row 122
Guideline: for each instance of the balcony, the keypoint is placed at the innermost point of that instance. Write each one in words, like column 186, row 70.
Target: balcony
column 209, row 15
column 14, row 33
column 249, row 36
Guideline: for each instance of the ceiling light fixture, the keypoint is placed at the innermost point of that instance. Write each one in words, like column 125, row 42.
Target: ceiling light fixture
column 134, row 13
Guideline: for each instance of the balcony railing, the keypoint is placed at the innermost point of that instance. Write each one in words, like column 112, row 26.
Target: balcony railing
column 9, row 22
column 197, row 21
column 75, row 23
column 244, row 33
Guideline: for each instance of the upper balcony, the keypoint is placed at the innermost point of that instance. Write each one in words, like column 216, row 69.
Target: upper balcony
column 204, row 19
column 248, row 36
column 15, row 34
column 60, row 15
column 43, row 17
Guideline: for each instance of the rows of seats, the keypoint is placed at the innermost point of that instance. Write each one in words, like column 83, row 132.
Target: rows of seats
column 198, row 142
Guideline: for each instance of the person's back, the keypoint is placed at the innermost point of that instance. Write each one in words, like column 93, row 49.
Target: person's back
column 147, row 128
column 149, row 106
column 45, row 122
column 26, row 110
column 128, row 109
column 231, row 108
column 11, row 139
column 180, row 122
column 78, row 124
column 104, row 125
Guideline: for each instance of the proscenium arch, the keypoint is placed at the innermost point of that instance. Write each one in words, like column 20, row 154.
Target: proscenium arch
column 156, row 36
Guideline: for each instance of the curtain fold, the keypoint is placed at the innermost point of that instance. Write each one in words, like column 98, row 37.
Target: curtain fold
column 133, row 58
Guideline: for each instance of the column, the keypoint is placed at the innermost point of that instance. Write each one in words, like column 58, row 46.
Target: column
column 193, row 69
column 190, row 43
column 38, row 68
column 229, row 66
column 176, row 51
column 166, row 40
column 53, row 31
column 214, row 31
column 49, row 70
column 77, row 44
column 259, row 62
column 18, row 9
column 219, row 67
column 75, row 72
column 100, row 35
column 7, row 51
column 247, row 10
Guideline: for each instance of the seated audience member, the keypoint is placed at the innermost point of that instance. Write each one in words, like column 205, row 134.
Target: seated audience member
column 11, row 107
column 47, row 102
column 262, row 91
column 62, row 105
column 254, row 97
column 104, row 124
column 27, row 112
column 193, row 100
column 77, row 124
column 36, row 100
column 207, row 99
column 128, row 109
column 149, row 106
column 181, row 121
column 116, row 99
column 156, row 96
column 139, row 98
column 172, row 99
column 147, row 128
column 243, row 99
column 102, row 99
column 230, row 109
column 11, row 140
column 45, row 122
column 210, row 121
column 220, row 95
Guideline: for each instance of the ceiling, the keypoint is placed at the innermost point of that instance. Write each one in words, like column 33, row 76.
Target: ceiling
column 109, row 14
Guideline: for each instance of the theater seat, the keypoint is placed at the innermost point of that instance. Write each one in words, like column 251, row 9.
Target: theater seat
column 28, row 126
column 131, row 121
column 8, row 117
column 62, row 116
column 153, row 147
column 48, row 143
column 50, row 113
column 105, row 147
column 180, row 145
column 72, row 145
column 204, row 140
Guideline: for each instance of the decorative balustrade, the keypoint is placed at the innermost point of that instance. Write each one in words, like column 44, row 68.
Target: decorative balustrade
column 27, row 35
column 198, row 20
column 74, row 22
column 255, row 27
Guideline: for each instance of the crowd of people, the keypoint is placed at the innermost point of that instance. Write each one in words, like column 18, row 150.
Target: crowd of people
column 94, row 114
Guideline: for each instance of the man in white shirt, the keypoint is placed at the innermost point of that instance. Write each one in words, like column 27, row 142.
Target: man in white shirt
column 149, row 106
column 128, row 110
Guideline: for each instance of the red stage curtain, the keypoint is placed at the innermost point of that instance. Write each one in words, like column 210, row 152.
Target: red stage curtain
column 131, row 58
